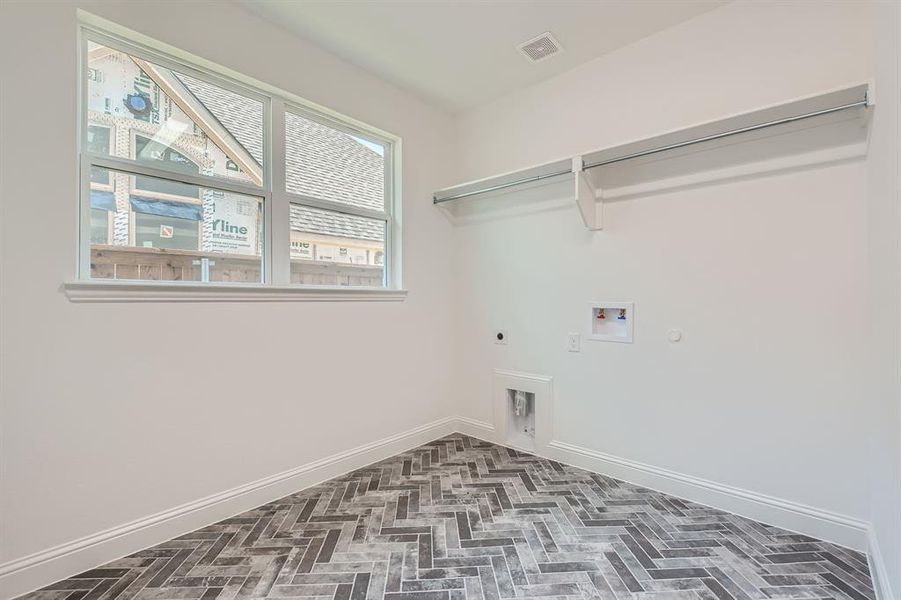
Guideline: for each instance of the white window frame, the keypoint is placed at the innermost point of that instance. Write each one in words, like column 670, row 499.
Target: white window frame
column 388, row 208
column 276, row 255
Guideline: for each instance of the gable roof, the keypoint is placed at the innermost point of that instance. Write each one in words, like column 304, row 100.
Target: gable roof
column 322, row 162
column 241, row 116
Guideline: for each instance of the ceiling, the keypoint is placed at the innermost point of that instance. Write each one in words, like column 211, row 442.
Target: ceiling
column 461, row 54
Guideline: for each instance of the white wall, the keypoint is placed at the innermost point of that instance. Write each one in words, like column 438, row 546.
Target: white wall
column 884, row 236
column 117, row 411
column 763, row 393
column 733, row 59
column 95, row 433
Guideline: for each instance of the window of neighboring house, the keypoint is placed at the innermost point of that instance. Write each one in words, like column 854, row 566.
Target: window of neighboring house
column 103, row 203
column 98, row 140
column 100, row 226
column 185, row 192
column 154, row 231
column 151, row 152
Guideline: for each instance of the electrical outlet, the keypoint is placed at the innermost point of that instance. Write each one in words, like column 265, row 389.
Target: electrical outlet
column 574, row 342
column 500, row 337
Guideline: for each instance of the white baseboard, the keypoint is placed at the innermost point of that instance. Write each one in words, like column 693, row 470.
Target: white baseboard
column 809, row 520
column 793, row 516
column 878, row 569
column 476, row 428
column 31, row 572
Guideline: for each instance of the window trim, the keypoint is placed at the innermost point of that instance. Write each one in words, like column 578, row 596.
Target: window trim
column 276, row 254
column 123, row 290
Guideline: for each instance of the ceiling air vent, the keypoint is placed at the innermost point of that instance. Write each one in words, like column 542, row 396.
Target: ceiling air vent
column 541, row 47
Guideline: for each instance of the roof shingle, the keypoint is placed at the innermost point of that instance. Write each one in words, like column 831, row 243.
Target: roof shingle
column 323, row 222
column 322, row 162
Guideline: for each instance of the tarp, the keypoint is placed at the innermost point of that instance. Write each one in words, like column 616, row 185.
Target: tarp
column 164, row 208
column 103, row 200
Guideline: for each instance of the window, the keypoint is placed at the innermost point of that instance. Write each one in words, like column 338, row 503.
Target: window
column 336, row 180
column 176, row 180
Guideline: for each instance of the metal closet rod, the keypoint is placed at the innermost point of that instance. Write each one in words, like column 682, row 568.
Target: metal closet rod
column 717, row 136
column 707, row 138
column 501, row 186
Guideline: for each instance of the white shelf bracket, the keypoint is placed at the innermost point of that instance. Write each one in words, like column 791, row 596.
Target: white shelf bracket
column 587, row 197
column 871, row 93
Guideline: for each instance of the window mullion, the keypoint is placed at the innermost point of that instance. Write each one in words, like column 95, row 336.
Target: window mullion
column 280, row 211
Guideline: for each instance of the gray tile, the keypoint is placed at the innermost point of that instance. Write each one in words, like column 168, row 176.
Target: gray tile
column 463, row 519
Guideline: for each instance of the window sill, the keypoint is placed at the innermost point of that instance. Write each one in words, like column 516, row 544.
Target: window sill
column 136, row 291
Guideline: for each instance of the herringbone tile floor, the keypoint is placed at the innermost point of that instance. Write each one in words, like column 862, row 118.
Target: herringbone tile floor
column 462, row 519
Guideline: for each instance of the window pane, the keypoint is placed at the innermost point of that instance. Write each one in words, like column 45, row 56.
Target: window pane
column 147, row 109
column 329, row 248
column 329, row 164
column 202, row 234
